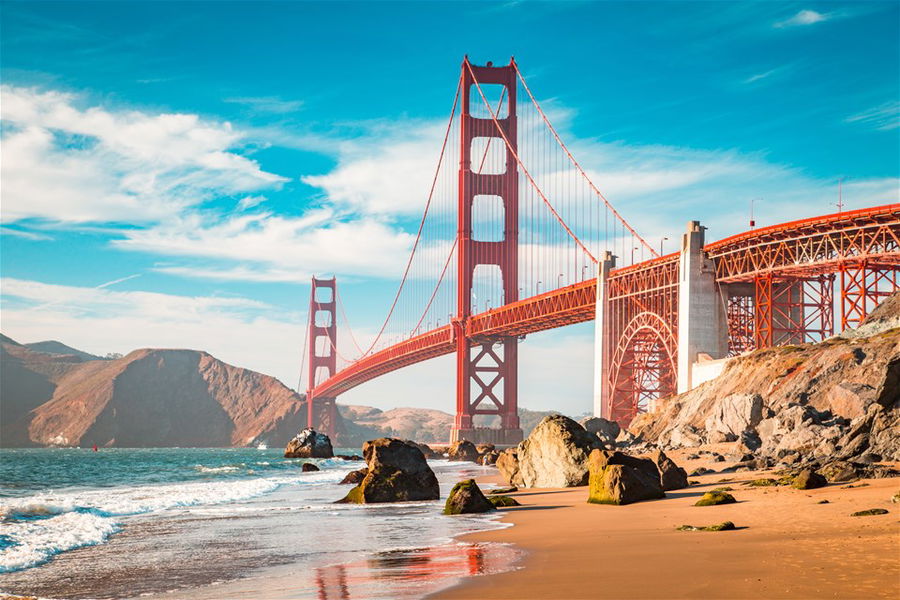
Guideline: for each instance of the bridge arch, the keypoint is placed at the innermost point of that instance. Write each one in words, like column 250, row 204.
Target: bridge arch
column 643, row 366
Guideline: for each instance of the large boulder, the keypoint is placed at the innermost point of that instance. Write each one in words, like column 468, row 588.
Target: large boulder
column 616, row 478
column 397, row 472
column 463, row 450
column 508, row 465
column 671, row 476
column 309, row 444
column 608, row 431
column 556, row 454
column 466, row 497
column 732, row 416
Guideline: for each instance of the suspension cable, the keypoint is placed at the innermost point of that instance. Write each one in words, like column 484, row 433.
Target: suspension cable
column 421, row 223
column 525, row 171
column 578, row 166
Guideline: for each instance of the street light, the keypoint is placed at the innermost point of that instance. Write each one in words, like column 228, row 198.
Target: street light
column 539, row 286
column 559, row 281
column 632, row 253
column 665, row 239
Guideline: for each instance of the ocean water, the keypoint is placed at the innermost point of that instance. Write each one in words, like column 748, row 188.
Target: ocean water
column 222, row 523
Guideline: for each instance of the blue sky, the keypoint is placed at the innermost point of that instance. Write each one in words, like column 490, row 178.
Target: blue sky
column 203, row 159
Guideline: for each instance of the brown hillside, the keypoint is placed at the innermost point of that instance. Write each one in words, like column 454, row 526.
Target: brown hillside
column 147, row 398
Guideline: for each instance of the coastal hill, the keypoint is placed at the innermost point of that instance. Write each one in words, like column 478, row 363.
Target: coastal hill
column 149, row 398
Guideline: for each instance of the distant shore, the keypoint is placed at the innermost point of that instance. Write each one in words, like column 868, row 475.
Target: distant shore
column 787, row 545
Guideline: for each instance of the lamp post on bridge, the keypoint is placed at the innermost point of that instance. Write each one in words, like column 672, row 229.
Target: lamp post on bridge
column 661, row 245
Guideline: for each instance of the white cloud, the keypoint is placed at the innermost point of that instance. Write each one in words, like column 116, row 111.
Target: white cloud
column 804, row 17
column 64, row 164
column 884, row 117
column 266, row 247
column 268, row 104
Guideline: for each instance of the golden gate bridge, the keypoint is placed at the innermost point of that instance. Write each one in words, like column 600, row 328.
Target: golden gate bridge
column 515, row 238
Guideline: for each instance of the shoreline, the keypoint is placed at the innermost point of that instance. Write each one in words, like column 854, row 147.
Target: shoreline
column 787, row 544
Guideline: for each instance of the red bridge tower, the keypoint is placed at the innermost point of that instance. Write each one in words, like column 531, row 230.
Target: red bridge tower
column 321, row 413
column 487, row 367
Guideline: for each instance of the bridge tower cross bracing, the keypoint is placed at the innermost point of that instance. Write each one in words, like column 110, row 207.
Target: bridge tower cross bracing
column 321, row 412
column 486, row 367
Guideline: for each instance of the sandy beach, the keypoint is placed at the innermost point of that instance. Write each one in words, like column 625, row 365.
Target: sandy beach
column 787, row 544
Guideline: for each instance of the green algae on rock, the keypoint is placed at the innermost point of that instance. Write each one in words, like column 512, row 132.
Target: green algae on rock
column 724, row 526
column 714, row 498
column 465, row 498
column 870, row 512
column 503, row 501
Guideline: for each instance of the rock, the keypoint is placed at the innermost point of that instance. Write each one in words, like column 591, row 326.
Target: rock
column 725, row 526
column 556, row 454
column 463, row 450
column 427, row 451
column 700, row 471
column 349, row 456
column 616, row 478
column 765, row 482
column 397, row 472
column 840, row 471
column 489, row 458
column 671, row 476
column 466, row 497
column 485, row 448
column 870, row 458
column 732, row 416
column 870, row 512
column 823, row 502
column 508, row 465
column 715, row 498
column 309, row 444
column 808, row 480
column 506, row 490
column 625, row 438
column 896, row 498
column 503, row 501
column 308, row 467
column 354, row 477
column 607, row 431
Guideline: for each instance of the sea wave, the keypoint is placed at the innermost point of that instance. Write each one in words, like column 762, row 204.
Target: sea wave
column 42, row 525
column 30, row 543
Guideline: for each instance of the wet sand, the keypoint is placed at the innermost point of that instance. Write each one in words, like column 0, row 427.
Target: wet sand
column 787, row 545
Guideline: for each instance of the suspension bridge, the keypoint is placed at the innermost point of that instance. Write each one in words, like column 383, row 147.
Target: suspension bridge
column 515, row 239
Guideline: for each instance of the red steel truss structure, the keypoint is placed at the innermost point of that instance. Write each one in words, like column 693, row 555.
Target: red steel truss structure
column 859, row 251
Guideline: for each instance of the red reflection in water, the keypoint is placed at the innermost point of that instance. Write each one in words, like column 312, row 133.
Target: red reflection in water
column 408, row 572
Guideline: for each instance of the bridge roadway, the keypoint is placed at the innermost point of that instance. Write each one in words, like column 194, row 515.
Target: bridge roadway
column 805, row 247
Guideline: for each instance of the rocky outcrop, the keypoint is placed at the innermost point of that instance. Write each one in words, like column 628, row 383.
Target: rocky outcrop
column 838, row 399
column 309, row 468
column 489, row 458
column 555, row 454
column 508, row 465
column 607, row 431
column 149, row 398
column 616, row 478
column 466, row 497
column 309, row 444
column 397, row 472
column 671, row 476
column 462, row 450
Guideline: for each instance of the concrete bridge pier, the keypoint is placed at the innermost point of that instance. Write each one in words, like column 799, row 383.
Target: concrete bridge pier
column 602, row 337
column 702, row 317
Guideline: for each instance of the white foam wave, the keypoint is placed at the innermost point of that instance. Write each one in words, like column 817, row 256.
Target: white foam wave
column 225, row 469
column 35, row 542
column 45, row 524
